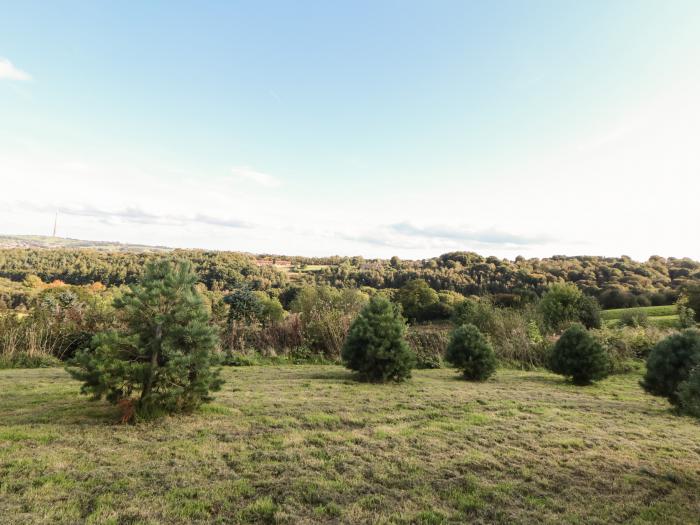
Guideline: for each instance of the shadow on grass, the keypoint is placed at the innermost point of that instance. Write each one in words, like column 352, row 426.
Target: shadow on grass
column 30, row 409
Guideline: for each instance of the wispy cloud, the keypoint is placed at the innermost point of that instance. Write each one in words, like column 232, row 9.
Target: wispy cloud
column 137, row 216
column 217, row 221
column 249, row 174
column 407, row 236
column 486, row 236
column 8, row 71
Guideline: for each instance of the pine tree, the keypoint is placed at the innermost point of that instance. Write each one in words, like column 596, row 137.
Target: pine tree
column 376, row 347
column 162, row 361
column 469, row 351
column 579, row 356
column 670, row 364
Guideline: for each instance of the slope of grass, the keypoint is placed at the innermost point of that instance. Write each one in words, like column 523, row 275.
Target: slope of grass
column 651, row 311
column 44, row 241
column 306, row 444
column 661, row 316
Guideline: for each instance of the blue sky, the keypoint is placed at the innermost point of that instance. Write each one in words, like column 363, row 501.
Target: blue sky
column 372, row 128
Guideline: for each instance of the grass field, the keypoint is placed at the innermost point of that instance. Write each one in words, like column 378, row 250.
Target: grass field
column 661, row 316
column 306, row 444
column 314, row 267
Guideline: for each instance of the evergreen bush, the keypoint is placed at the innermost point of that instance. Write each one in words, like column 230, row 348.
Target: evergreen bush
column 376, row 346
column 471, row 352
column 161, row 361
column 670, row 362
column 579, row 356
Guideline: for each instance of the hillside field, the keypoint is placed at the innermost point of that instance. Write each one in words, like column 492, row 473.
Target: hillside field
column 661, row 316
column 308, row 444
column 46, row 242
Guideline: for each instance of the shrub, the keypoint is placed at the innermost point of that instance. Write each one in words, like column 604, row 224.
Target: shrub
column 418, row 300
column 444, row 308
column 513, row 332
column 589, row 312
column 326, row 315
column 481, row 313
column 625, row 345
column 579, row 356
column 471, row 352
column 634, row 318
column 162, row 360
column 689, row 393
column 691, row 293
column 686, row 314
column 244, row 305
column 62, row 320
column 564, row 304
column 516, row 338
column 376, row 347
column 670, row 363
column 271, row 310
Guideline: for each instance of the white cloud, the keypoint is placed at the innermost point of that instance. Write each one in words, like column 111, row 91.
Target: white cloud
column 9, row 72
column 248, row 174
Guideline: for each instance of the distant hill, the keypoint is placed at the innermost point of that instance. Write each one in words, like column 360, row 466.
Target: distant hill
column 46, row 242
column 617, row 282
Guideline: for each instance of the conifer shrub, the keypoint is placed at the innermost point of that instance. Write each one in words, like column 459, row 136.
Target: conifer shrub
column 577, row 355
column 470, row 352
column 670, row 362
column 161, row 360
column 376, row 346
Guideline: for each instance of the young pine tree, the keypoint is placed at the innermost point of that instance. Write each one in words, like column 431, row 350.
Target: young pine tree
column 162, row 361
column 670, row 364
column 469, row 351
column 579, row 356
column 376, row 347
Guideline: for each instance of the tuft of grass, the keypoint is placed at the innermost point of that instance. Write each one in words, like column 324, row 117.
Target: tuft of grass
column 304, row 444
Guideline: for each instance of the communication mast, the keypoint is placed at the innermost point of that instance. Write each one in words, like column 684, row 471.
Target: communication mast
column 55, row 223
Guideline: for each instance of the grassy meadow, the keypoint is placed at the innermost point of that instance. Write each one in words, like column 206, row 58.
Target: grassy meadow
column 659, row 316
column 307, row 444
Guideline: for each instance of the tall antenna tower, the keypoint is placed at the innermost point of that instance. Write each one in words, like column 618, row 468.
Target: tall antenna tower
column 55, row 223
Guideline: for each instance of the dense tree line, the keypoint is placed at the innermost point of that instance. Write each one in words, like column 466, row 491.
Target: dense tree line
column 616, row 282
column 217, row 270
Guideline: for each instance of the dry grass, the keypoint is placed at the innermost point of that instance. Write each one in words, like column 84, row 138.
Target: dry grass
column 306, row 444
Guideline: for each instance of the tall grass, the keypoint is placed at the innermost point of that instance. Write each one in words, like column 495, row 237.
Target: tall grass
column 429, row 343
column 27, row 342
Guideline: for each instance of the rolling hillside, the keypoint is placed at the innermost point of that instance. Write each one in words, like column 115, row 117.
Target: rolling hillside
column 44, row 241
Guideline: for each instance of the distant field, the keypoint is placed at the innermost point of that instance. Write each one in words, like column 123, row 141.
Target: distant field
column 46, row 242
column 307, row 444
column 298, row 273
column 661, row 316
column 314, row 267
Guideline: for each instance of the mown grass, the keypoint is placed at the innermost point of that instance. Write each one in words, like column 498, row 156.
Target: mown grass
column 307, row 444
column 660, row 316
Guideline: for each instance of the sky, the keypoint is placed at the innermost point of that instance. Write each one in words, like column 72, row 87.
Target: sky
column 371, row 128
